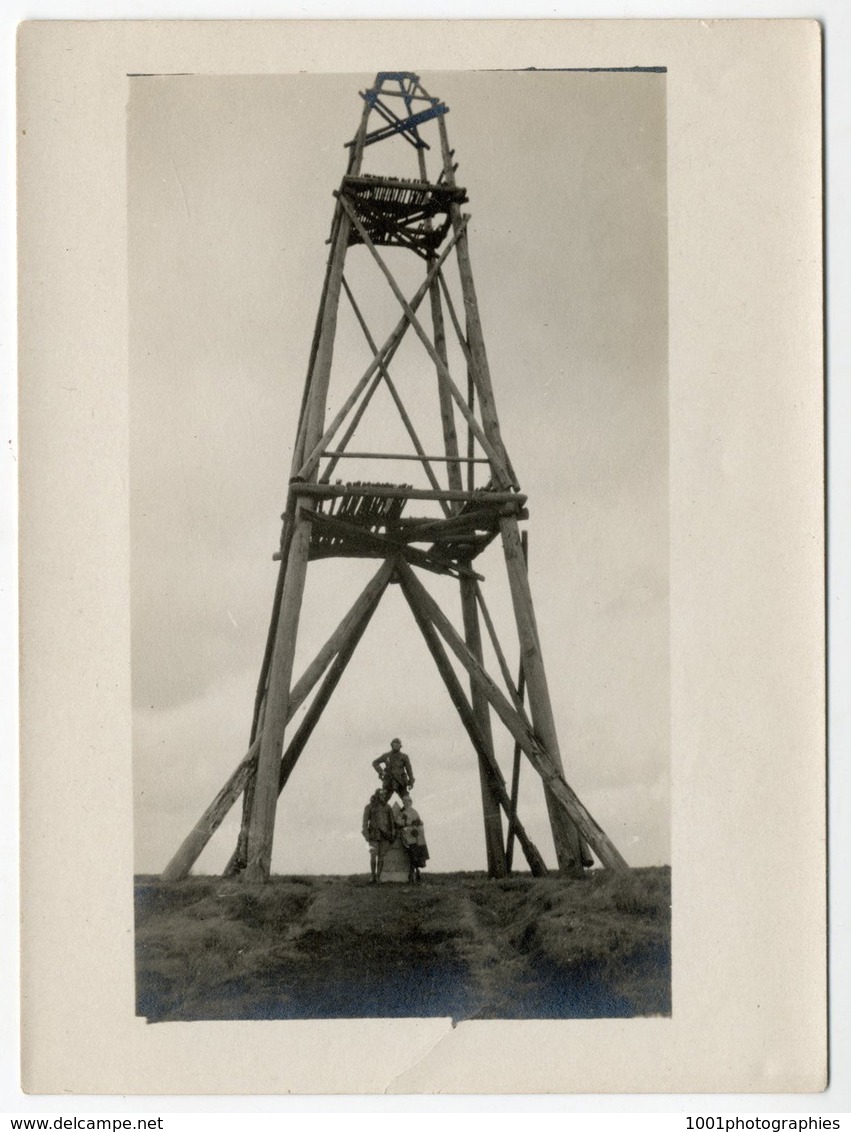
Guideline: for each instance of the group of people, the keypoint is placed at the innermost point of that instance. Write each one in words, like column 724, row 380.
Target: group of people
column 384, row 824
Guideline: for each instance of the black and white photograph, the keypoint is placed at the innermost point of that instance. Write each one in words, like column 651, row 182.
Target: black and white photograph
column 399, row 544
column 421, row 555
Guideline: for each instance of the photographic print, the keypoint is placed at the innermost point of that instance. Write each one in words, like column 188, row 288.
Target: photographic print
column 421, row 568
column 399, row 544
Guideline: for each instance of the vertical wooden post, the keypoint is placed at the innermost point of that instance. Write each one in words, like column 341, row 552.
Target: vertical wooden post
column 478, row 370
column 481, row 710
column 261, row 826
column 447, row 411
column 565, row 834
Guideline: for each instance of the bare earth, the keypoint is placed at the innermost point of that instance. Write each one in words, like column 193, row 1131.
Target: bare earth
column 457, row 945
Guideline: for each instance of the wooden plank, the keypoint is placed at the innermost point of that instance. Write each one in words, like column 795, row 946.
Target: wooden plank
column 465, row 711
column 192, row 846
column 298, row 446
column 515, row 783
column 534, row 749
column 481, row 518
column 389, row 546
column 471, row 387
column 262, row 819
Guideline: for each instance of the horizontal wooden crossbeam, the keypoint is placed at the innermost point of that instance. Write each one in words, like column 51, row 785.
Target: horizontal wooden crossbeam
column 339, row 455
column 331, row 490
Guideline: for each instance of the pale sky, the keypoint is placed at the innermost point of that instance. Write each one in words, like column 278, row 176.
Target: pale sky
column 230, row 203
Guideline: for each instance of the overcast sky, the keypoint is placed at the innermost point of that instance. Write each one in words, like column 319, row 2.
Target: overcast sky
column 230, row 183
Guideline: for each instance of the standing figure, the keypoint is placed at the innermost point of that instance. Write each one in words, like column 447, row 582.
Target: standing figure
column 379, row 830
column 413, row 838
column 394, row 767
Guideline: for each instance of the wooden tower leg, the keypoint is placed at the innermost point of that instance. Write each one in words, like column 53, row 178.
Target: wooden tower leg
column 568, row 843
column 261, row 825
column 481, row 710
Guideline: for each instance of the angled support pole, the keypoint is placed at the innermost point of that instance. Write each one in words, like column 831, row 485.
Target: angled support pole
column 193, row 845
column 571, row 852
column 347, row 637
column 468, row 718
column 332, row 679
column 515, row 765
column 304, row 686
column 534, row 749
column 497, row 866
column 406, row 420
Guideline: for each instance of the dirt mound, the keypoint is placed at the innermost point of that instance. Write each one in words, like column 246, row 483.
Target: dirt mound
column 459, row 945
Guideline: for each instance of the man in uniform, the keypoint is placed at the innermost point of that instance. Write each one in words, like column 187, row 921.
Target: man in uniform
column 394, row 767
column 379, row 829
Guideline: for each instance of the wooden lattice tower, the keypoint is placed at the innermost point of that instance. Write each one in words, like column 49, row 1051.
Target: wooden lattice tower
column 366, row 519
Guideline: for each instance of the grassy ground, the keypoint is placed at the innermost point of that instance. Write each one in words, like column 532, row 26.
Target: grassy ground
column 457, row 945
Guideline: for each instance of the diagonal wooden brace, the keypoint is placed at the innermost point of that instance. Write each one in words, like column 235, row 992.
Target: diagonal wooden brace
column 465, row 711
column 391, row 344
column 317, row 705
column 193, row 845
column 518, row 726
column 497, row 467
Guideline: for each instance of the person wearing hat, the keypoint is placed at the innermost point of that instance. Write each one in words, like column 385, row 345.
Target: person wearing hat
column 394, row 769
